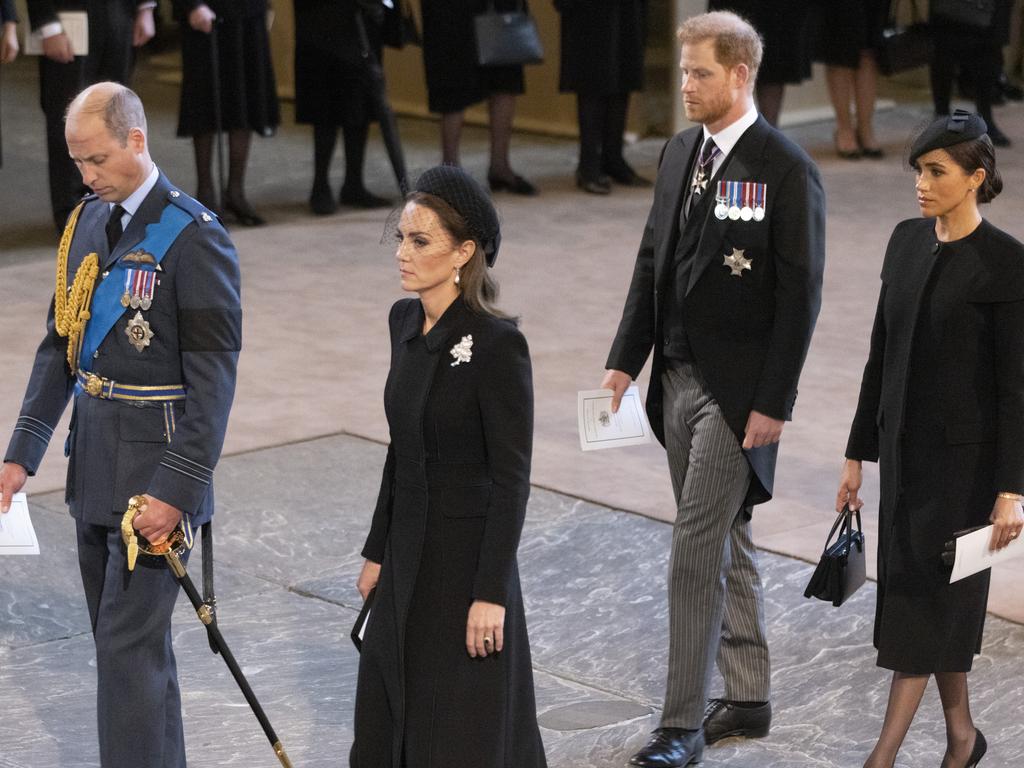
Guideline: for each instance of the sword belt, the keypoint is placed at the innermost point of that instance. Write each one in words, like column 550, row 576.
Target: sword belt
column 106, row 389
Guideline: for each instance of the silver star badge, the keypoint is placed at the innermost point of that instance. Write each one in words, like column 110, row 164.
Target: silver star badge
column 700, row 183
column 737, row 262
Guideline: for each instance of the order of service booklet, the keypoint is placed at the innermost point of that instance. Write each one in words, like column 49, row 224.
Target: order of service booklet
column 17, row 536
column 600, row 428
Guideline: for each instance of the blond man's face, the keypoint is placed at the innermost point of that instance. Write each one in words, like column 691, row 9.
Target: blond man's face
column 709, row 89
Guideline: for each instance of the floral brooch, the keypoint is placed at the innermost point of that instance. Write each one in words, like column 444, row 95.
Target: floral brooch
column 463, row 351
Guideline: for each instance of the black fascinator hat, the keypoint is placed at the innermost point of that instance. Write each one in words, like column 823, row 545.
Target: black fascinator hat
column 465, row 195
column 946, row 131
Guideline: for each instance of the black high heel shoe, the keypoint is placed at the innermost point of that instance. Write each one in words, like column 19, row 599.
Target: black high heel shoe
column 242, row 211
column 875, row 153
column 980, row 748
column 515, row 184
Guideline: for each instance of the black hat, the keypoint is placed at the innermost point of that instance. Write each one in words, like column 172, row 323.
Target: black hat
column 463, row 193
column 946, row 131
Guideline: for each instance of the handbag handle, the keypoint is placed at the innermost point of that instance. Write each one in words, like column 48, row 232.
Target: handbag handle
column 844, row 523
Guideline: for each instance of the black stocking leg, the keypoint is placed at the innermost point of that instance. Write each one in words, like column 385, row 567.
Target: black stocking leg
column 206, row 191
column 590, row 110
column 904, row 698
column 321, row 199
column 234, row 196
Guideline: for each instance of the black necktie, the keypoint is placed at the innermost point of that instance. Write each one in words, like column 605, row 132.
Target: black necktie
column 114, row 228
column 701, row 174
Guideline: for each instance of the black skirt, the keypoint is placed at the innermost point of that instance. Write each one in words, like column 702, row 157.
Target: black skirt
column 786, row 29
column 454, row 79
column 248, row 94
column 603, row 47
column 847, row 28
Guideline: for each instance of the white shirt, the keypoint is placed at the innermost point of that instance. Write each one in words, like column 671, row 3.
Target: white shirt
column 134, row 200
column 726, row 138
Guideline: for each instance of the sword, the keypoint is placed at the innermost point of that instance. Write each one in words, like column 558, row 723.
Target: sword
column 170, row 549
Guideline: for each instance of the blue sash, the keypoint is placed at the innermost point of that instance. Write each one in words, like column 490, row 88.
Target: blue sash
column 106, row 307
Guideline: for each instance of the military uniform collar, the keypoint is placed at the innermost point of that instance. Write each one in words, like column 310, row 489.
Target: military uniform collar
column 436, row 336
column 132, row 203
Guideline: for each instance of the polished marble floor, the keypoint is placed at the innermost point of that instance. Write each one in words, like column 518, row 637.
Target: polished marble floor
column 290, row 525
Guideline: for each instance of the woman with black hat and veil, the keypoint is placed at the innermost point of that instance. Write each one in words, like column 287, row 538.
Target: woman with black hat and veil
column 445, row 677
column 941, row 409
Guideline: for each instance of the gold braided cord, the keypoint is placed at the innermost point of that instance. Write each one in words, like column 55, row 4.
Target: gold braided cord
column 71, row 308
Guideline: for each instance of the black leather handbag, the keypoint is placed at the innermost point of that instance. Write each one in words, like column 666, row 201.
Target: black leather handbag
column 841, row 569
column 506, row 38
column 971, row 13
column 903, row 47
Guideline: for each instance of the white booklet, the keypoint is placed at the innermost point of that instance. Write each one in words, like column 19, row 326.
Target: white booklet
column 600, row 428
column 17, row 536
column 973, row 553
column 76, row 27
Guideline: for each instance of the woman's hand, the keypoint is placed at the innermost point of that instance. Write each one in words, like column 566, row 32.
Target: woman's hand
column 201, row 19
column 1007, row 521
column 849, row 484
column 368, row 577
column 485, row 628
column 8, row 42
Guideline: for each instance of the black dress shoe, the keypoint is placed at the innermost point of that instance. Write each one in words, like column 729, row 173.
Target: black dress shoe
column 242, row 211
column 361, row 197
column 999, row 138
column 671, row 748
column 1010, row 90
column 622, row 174
column 513, row 183
column 595, row 185
column 980, row 748
column 321, row 201
column 724, row 718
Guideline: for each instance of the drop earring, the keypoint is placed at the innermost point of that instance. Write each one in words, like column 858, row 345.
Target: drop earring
column 458, row 275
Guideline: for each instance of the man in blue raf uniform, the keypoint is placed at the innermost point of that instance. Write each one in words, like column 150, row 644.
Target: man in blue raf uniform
column 143, row 335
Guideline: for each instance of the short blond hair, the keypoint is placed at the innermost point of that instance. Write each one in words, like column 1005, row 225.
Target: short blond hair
column 736, row 41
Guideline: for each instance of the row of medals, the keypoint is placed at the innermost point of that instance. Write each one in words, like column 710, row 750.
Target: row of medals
column 135, row 302
column 734, row 212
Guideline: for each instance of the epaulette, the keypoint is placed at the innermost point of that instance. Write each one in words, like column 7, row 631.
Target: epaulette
column 191, row 206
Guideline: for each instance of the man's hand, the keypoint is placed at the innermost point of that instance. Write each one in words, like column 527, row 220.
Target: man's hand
column 144, row 27
column 58, row 48
column 1007, row 522
column 156, row 520
column 12, row 480
column 849, row 484
column 9, row 43
column 761, row 430
column 368, row 577
column 618, row 382
column 485, row 628
column 201, row 19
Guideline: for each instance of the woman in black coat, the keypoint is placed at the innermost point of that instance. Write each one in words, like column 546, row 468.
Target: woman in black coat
column 248, row 94
column 455, row 81
column 8, row 40
column 333, row 88
column 942, row 410
column 445, row 677
column 602, row 63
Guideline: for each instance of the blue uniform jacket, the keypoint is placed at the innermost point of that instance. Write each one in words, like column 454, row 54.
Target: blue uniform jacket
column 118, row 449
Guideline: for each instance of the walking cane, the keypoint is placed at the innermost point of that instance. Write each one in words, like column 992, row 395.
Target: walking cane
column 217, row 118
column 170, row 549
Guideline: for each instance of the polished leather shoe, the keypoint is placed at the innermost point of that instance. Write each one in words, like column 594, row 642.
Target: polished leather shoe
column 723, row 719
column 671, row 748
column 594, row 185
column 624, row 175
column 513, row 183
column 979, row 750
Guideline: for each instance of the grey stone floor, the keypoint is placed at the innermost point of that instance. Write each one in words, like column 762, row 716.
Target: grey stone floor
column 291, row 521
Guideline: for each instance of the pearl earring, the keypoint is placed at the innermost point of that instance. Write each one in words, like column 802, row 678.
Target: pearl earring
column 458, row 275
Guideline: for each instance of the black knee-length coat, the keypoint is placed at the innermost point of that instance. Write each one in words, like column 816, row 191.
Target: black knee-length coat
column 446, row 529
column 602, row 50
column 942, row 410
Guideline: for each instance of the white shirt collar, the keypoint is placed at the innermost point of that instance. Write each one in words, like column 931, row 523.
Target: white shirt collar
column 134, row 200
column 726, row 138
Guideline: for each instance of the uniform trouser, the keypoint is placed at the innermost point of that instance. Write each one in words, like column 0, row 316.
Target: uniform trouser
column 138, row 705
column 111, row 57
column 716, row 605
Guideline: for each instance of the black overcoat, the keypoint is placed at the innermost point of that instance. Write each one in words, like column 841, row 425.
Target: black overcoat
column 446, row 529
column 749, row 335
column 941, row 409
column 602, row 46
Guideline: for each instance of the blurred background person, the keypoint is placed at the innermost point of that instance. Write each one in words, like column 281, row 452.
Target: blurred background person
column 246, row 88
column 602, row 63
column 946, row 436
column 977, row 54
column 116, row 27
column 455, row 81
column 445, row 677
column 8, row 46
column 848, row 32
column 785, row 27
column 332, row 90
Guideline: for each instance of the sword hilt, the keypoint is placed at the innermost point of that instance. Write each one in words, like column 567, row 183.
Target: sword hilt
column 282, row 755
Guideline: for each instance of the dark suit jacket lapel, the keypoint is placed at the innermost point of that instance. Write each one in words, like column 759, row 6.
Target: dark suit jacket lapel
column 672, row 201
column 744, row 163
column 149, row 212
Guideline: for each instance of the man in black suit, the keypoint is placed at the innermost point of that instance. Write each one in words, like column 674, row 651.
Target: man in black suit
column 726, row 290
column 115, row 28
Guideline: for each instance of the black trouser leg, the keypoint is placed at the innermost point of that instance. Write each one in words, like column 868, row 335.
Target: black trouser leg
column 324, row 139
column 614, row 129
column 354, row 136
column 591, row 110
